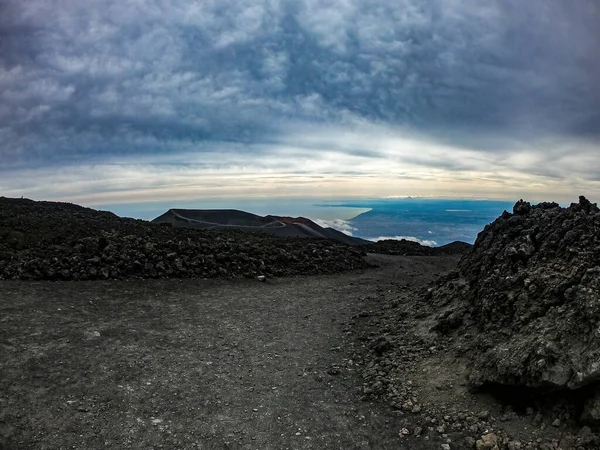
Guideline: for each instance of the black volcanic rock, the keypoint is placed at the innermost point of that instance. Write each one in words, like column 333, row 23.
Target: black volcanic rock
column 61, row 241
column 410, row 248
column 525, row 303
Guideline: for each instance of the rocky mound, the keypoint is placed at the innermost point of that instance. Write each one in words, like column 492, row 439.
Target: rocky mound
column 410, row 248
column 524, row 306
column 61, row 241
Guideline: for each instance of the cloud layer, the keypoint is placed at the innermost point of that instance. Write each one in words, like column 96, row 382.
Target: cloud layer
column 119, row 100
column 338, row 224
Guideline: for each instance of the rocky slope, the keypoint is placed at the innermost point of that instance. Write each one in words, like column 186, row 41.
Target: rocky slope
column 61, row 241
column 504, row 349
column 530, row 291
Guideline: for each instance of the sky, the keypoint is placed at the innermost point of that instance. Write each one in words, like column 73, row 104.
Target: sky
column 131, row 101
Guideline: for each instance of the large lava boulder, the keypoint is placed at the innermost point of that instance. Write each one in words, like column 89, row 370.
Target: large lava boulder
column 525, row 302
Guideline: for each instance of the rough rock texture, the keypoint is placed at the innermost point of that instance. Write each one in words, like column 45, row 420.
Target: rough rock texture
column 410, row 248
column 61, row 241
column 418, row 343
column 525, row 302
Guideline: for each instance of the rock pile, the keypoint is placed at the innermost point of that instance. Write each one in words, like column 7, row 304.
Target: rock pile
column 525, row 303
column 410, row 248
column 500, row 353
column 60, row 241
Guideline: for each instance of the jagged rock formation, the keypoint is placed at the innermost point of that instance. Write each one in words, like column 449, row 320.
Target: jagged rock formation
column 525, row 303
column 61, row 241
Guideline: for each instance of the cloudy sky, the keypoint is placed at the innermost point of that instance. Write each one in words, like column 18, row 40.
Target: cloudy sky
column 136, row 100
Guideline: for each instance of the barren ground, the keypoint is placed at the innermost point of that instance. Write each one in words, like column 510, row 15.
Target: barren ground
column 210, row 364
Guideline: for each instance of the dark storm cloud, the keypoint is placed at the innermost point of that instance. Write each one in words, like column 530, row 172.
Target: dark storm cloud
column 83, row 82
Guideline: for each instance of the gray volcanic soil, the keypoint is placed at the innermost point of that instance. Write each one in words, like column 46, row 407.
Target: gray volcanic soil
column 285, row 364
column 211, row 364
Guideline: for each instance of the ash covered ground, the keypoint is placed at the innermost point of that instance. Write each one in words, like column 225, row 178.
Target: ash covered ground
column 493, row 346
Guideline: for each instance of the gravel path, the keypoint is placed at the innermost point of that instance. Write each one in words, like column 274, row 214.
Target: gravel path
column 210, row 364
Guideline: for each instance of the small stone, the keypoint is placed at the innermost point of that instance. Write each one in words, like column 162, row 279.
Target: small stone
column 487, row 442
column 261, row 278
column 404, row 432
column 445, row 446
column 556, row 423
column 418, row 431
column 334, row 370
column 537, row 420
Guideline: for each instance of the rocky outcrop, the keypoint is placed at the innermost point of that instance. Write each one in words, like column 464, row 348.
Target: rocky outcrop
column 410, row 248
column 525, row 303
column 60, row 241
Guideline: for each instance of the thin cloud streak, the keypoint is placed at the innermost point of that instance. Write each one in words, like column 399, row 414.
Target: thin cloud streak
column 224, row 174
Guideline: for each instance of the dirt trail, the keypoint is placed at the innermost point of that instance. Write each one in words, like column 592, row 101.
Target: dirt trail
column 209, row 364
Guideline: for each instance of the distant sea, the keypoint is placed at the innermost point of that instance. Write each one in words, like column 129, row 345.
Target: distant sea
column 429, row 221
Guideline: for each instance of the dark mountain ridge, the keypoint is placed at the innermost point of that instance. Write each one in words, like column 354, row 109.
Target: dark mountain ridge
column 274, row 225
